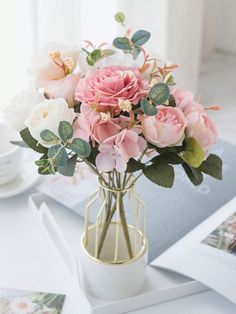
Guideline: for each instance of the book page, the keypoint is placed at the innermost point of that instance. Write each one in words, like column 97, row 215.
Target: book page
column 208, row 253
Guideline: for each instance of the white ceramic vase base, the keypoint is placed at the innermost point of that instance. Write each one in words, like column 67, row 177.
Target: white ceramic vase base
column 107, row 280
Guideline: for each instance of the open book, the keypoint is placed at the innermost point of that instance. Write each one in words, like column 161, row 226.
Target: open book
column 30, row 302
column 208, row 253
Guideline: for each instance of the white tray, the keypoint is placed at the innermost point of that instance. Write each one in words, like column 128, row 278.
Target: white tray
column 63, row 228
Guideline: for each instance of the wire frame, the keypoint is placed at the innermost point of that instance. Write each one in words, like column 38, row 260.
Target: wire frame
column 114, row 230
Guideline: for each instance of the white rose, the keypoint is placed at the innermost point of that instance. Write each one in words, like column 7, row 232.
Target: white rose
column 42, row 67
column 48, row 115
column 18, row 110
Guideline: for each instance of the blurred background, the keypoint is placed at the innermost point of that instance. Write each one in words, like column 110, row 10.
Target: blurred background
column 198, row 35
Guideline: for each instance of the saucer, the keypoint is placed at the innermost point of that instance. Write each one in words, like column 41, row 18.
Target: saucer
column 25, row 180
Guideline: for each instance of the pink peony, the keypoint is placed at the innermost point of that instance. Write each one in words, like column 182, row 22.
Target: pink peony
column 192, row 112
column 166, row 128
column 106, row 86
column 204, row 131
column 62, row 88
column 116, row 151
column 182, row 96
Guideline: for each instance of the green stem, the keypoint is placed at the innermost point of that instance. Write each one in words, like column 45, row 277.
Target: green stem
column 125, row 229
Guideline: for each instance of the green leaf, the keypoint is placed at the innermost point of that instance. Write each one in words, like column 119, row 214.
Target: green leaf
column 159, row 93
column 134, row 165
column 92, row 157
column 148, row 108
column 194, row 174
column 42, row 163
column 122, row 43
column 212, row 166
column 168, row 158
column 50, row 169
column 140, row 37
column 80, row 147
column 90, row 60
column 193, row 154
column 68, row 169
column 20, row 144
column 120, row 17
column 135, row 52
column 96, row 54
column 31, row 142
column 161, row 174
column 48, row 136
column 107, row 52
column 77, row 107
column 65, row 131
column 172, row 102
column 58, row 154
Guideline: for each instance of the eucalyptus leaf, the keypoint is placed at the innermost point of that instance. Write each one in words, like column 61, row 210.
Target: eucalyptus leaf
column 192, row 154
column 140, row 37
column 58, row 154
column 68, row 169
column 42, row 163
column 159, row 93
column 148, row 108
column 48, row 136
column 135, row 52
column 96, row 54
column 212, row 166
column 122, row 43
column 65, row 131
column 161, row 174
column 120, row 17
column 80, row 147
column 90, row 60
column 107, row 52
column 47, row 170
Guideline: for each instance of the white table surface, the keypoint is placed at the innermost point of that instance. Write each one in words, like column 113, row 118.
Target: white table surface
column 26, row 262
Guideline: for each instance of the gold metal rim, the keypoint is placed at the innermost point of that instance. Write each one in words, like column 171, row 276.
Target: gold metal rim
column 117, row 263
column 115, row 190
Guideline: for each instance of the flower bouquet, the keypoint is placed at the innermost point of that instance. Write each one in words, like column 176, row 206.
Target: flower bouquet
column 117, row 109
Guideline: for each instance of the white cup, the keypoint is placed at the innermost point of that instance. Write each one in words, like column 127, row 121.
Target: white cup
column 10, row 155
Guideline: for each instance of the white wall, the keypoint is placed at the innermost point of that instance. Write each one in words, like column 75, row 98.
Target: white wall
column 226, row 26
column 185, row 40
column 151, row 15
column 15, row 52
column 210, row 27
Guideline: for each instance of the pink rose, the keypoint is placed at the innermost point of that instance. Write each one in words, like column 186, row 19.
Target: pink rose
column 116, row 151
column 106, row 86
column 204, row 131
column 166, row 128
column 62, row 88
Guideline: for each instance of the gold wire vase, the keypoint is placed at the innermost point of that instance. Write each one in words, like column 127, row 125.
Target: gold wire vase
column 114, row 235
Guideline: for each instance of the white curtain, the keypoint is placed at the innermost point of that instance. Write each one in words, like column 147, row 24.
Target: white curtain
column 26, row 25
column 17, row 43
